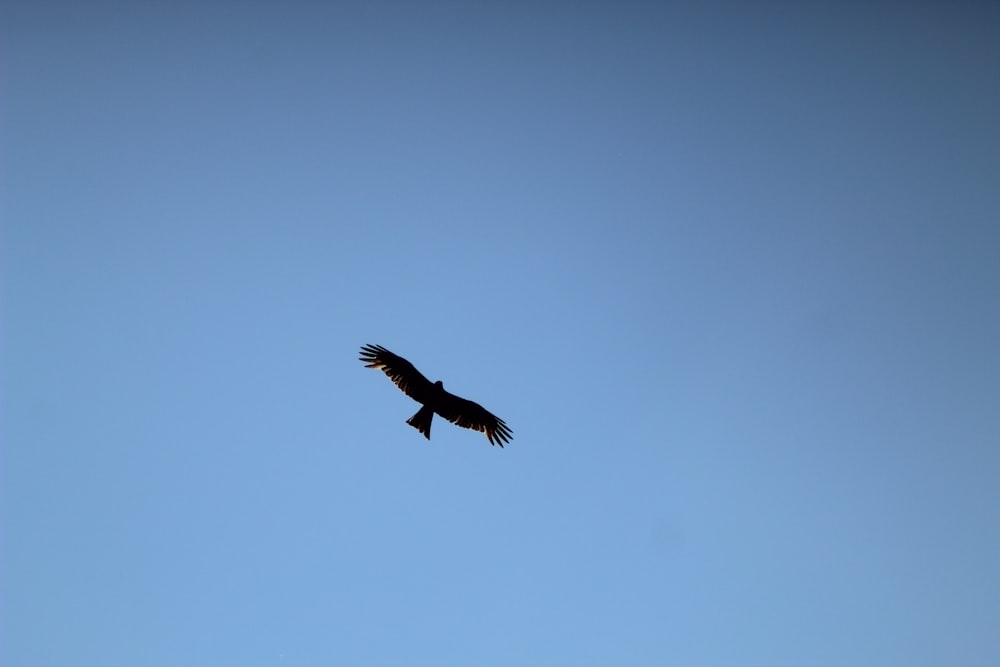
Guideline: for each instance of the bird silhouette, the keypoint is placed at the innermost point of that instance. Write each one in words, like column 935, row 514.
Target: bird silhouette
column 434, row 398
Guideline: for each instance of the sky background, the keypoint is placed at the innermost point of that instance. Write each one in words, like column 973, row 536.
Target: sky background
column 731, row 274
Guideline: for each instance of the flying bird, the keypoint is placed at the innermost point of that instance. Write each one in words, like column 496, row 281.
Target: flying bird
column 434, row 398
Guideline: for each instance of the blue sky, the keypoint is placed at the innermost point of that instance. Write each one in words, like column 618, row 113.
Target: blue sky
column 729, row 273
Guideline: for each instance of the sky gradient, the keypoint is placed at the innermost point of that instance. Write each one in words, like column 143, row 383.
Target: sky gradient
column 731, row 275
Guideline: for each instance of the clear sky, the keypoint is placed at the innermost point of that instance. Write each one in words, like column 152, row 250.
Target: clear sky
column 731, row 274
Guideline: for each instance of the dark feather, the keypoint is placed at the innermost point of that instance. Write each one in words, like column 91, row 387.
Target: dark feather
column 471, row 415
column 402, row 372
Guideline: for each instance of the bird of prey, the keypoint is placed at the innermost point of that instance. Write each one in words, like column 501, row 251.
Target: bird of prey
column 434, row 398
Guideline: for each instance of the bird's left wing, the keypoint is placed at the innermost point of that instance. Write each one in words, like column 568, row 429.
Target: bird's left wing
column 402, row 372
column 467, row 414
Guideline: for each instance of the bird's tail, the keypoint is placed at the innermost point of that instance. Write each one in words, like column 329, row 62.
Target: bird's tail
column 422, row 421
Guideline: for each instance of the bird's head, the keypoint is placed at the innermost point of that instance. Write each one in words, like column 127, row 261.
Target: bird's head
column 439, row 384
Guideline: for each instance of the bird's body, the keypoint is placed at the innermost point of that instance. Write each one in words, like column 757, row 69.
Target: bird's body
column 434, row 398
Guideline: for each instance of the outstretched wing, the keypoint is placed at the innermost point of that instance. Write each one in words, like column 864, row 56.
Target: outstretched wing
column 471, row 415
column 399, row 370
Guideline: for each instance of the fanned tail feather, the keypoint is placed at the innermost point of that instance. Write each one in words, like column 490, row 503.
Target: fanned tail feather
column 422, row 421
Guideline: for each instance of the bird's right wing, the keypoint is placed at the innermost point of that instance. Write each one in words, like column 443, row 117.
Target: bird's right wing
column 471, row 415
column 400, row 371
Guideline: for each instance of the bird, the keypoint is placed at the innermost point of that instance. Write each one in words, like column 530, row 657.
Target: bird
column 434, row 398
